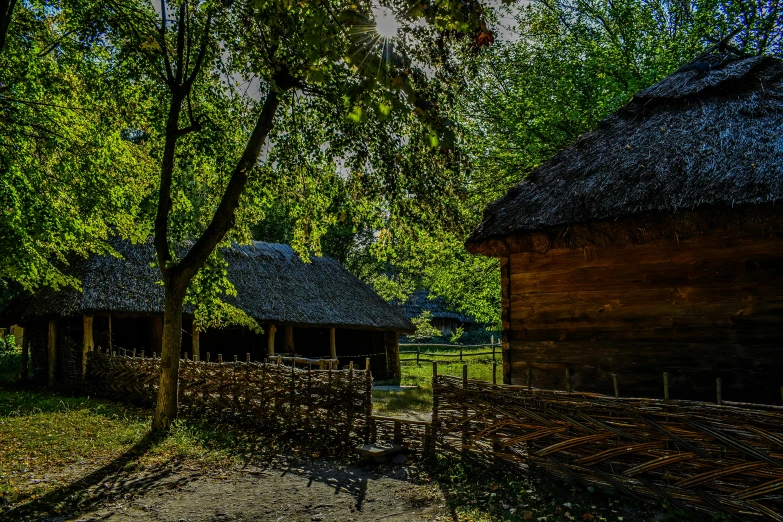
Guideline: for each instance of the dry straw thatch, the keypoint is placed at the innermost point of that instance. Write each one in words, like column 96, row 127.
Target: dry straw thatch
column 696, row 140
column 273, row 285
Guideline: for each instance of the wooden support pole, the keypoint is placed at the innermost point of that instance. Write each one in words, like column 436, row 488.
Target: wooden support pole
column 367, row 364
column 88, row 344
column 529, row 378
column 248, row 358
column 52, row 351
column 666, row 385
column 568, row 380
column 25, row 371
column 270, row 343
column 494, row 373
column 206, row 359
column 616, row 386
column 220, row 358
column 196, row 342
column 719, row 391
column 111, row 345
column 332, row 343
column 289, row 340
column 435, row 401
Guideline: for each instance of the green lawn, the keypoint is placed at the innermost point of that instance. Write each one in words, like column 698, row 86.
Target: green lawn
column 419, row 400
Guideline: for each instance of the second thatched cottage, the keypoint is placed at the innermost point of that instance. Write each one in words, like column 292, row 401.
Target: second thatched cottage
column 315, row 310
column 653, row 244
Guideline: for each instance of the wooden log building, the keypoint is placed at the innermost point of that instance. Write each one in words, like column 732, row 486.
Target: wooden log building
column 446, row 320
column 654, row 244
column 314, row 310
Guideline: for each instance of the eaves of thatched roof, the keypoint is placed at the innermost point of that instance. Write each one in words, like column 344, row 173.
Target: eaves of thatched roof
column 698, row 139
column 273, row 284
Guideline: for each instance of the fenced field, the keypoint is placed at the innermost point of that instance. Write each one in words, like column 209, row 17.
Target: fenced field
column 273, row 396
column 416, row 362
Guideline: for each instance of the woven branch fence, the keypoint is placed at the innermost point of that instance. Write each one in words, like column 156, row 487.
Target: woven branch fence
column 698, row 456
column 335, row 403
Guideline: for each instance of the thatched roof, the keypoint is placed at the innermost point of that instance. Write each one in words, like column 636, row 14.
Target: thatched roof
column 420, row 301
column 273, row 285
column 709, row 135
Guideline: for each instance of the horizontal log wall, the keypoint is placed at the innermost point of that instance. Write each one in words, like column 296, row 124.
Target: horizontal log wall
column 708, row 307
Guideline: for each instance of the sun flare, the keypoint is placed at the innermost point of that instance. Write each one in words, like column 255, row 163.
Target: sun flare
column 386, row 25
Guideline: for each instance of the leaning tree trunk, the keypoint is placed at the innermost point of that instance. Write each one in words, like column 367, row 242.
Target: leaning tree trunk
column 166, row 406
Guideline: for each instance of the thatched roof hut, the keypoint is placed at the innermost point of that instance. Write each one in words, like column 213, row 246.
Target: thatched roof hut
column 692, row 141
column 652, row 243
column 319, row 303
column 443, row 317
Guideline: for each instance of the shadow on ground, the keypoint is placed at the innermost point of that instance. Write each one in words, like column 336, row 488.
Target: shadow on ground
column 99, row 486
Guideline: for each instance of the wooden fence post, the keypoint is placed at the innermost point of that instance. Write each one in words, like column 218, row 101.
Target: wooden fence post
column 460, row 353
column 464, row 411
column 719, row 391
column 435, row 420
column 418, row 352
column 666, row 385
column 494, row 373
column 616, row 386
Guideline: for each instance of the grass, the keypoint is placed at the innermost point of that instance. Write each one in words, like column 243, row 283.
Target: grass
column 56, row 450
column 419, row 400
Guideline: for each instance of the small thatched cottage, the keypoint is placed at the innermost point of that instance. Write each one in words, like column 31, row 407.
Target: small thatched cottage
column 314, row 310
column 653, row 244
column 443, row 318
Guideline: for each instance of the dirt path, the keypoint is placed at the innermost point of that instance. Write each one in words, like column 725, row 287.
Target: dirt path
column 320, row 491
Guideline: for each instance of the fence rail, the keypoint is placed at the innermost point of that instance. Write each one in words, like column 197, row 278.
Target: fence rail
column 426, row 355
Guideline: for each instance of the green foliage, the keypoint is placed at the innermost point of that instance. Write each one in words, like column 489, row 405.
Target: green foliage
column 457, row 335
column 424, row 328
column 62, row 150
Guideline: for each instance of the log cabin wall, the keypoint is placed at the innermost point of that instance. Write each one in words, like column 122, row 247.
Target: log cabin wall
column 703, row 308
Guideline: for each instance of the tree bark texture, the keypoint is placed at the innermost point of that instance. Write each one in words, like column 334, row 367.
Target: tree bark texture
column 166, row 407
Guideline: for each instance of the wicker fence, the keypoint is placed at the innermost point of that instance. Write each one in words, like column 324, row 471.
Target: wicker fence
column 334, row 403
column 698, row 456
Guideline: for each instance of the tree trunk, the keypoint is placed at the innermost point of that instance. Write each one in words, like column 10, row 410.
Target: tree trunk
column 166, row 406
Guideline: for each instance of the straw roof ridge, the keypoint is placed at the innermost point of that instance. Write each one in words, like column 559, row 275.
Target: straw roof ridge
column 273, row 284
column 711, row 134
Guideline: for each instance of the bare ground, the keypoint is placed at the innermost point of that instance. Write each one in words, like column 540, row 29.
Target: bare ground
column 315, row 491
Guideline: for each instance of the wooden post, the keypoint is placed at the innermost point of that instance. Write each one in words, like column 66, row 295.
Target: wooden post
column 52, row 346
column 666, row 385
column 494, row 373
column 460, row 353
column 529, row 378
column 568, row 380
column 418, row 353
column 220, row 358
column 206, row 359
column 88, row 345
column 248, row 358
column 616, row 386
column 493, row 352
column 465, row 409
column 289, row 340
column 435, row 420
column 111, row 345
column 270, row 343
column 719, row 391
column 25, row 353
column 196, row 341
column 332, row 343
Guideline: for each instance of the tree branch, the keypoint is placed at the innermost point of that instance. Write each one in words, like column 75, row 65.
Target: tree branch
column 180, row 44
column 6, row 11
column 164, row 48
column 223, row 219
column 201, row 52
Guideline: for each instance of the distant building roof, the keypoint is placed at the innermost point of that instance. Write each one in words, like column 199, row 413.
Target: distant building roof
column 706, row 136
column 273, row 285
column 419, row 302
